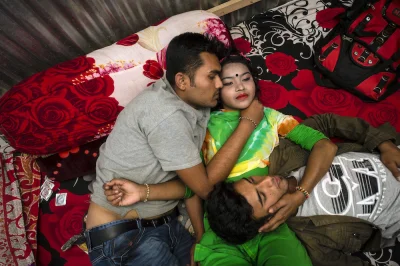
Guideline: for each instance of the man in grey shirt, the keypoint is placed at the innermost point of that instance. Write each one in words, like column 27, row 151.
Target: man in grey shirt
column 157, row 138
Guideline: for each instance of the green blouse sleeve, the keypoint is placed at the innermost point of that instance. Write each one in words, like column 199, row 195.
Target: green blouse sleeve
column 305, row 136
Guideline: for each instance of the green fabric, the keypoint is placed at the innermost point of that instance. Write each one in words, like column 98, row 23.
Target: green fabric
column 258, row 147
column 253, row 172
column 280, row 247
column 305, row 136
column 188, row 193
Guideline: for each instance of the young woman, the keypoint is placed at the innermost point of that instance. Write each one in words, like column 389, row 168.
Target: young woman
column 280, row 246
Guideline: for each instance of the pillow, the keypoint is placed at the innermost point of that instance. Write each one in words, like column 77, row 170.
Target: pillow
column 77, row 101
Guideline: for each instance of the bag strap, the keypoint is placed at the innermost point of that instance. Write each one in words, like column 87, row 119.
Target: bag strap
column 358, row 6
column 383, row 36
column 323, row 81
column 385, row 7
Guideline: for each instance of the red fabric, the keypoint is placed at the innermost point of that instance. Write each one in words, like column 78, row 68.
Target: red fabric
column 49, row 100
column 331, row 59
column 366, row 87
column 242, row 45
column 58, row 224
column 19, row 209
column 273, row 95
column 393, row 12
column 280, row 64
column 357, row 52
column 152, row 69
column 330, row 17
column 312, row 99
column 129, row 41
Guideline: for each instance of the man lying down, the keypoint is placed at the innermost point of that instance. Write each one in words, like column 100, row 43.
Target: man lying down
column 358, row 187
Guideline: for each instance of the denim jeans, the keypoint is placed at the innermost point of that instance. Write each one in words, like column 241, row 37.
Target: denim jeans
column 168, row 245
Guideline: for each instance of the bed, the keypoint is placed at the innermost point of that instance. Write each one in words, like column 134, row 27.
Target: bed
column 40, row 213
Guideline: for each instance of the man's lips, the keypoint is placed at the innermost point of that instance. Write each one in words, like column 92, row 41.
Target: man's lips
column 242, row 96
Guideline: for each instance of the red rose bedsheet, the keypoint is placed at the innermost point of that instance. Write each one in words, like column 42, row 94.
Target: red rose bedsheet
column 280, row 44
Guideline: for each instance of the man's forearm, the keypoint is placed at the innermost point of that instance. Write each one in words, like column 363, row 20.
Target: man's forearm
column 225, row 159
column 318, row 164
column 194, row 206
column 170, row 190
column 202, row 180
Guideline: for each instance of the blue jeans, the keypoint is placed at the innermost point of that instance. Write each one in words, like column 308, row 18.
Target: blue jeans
column 168, row 244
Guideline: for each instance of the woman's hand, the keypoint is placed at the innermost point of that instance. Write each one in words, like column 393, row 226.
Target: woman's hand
column 123, row 192
column 390, row 157
column 255, row 111
column 282, row 210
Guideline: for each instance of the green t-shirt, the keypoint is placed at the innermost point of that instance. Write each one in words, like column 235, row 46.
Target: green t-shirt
column 280, row 247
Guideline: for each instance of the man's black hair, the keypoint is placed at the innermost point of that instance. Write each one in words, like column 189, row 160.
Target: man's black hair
column 183, row 54
column 231, row 216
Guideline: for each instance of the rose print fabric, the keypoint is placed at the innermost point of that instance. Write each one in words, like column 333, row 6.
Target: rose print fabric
column 77, row 101
column 280, row 44
column 58, row 223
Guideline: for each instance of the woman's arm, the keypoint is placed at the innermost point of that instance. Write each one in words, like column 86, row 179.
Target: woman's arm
column 123, row 192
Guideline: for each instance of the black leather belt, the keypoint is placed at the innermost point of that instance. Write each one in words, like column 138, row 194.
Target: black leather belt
column 99, row 237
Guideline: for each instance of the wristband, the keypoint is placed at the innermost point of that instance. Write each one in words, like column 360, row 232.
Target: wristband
column 302, row 190
column 147, row 192
column 248, row 118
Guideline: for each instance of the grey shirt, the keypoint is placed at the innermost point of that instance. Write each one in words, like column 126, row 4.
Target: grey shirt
column 156, row 134
column 357, row 185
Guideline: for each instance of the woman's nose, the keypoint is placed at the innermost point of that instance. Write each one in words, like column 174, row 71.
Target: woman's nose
column 239, row 87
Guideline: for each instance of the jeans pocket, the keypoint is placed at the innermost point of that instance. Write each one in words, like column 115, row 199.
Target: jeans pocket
column 119, row 246
column 96, row 255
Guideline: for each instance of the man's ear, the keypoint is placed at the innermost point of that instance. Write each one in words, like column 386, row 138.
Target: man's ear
column 181, row 81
